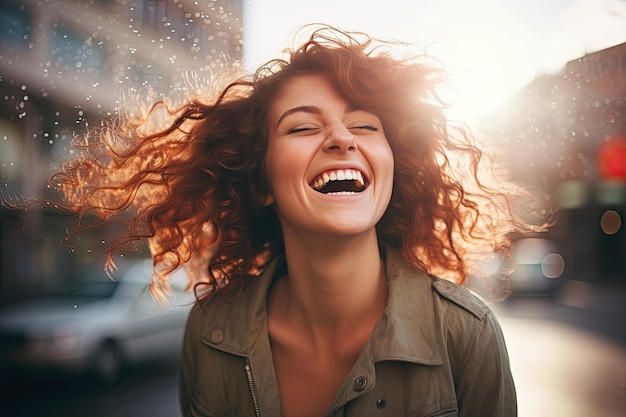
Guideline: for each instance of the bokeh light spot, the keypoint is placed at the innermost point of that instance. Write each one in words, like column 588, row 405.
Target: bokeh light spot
column 553, row 265
column 610, row 222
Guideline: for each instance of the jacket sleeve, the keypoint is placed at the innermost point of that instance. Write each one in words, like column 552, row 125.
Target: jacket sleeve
column 483, row 377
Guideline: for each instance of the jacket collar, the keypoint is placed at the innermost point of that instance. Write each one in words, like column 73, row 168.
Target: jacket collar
column 406, row 332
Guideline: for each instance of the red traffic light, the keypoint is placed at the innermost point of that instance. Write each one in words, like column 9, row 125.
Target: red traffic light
column 612, row 158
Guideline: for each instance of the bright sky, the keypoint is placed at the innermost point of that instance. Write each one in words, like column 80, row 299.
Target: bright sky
column 501, row 44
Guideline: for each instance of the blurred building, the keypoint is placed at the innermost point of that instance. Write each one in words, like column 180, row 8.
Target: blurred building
column 566, row 135
column 67, row 65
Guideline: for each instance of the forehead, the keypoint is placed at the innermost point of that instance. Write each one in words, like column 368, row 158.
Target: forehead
column 304, row 83
column 309, row 89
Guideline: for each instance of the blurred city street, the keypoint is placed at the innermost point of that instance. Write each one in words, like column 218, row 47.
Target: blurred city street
column 542, row 82
column 568, row 356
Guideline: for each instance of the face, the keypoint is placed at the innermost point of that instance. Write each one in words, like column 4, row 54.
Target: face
column 328, row 164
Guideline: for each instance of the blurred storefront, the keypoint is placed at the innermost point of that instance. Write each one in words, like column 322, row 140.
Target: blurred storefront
column 566, row 135
column 69, row 65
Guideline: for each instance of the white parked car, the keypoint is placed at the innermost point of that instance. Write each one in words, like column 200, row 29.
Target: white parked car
column 100, row 326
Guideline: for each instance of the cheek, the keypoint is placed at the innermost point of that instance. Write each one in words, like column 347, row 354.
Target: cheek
column 386, row 159
column 386, row 162
column 280, row 167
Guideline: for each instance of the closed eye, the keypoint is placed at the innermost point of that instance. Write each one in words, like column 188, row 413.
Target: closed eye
column 366, row 127
column 299, row 129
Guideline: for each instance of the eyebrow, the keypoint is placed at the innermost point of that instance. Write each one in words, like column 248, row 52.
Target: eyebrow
column 305, row 109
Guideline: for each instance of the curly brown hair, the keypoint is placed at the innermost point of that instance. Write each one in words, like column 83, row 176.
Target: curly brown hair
column 195, row 188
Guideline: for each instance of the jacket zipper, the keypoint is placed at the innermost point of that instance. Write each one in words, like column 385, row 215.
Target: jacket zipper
column 252, row 386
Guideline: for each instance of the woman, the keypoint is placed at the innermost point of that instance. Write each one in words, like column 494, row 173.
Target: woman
column 317, row 206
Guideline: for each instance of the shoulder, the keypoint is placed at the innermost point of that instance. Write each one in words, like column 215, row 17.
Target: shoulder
column 468, row 325
column 198, row 320
column 466, row 320
column 233, row 323
column 406, row 283
column 449, row 292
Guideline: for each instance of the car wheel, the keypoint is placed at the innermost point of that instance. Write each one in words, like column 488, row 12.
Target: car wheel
column 107, row 363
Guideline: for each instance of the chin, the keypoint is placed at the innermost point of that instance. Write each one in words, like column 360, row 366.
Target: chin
column 349, row 229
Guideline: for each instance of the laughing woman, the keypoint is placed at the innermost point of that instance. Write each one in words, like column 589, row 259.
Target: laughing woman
column 328, row 214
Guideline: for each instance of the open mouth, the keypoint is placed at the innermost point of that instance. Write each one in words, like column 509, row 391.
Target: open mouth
column 340, row 182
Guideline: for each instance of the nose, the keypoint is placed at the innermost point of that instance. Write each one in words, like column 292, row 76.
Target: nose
column 339, row 138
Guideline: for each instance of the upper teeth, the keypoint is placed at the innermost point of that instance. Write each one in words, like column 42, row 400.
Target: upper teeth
column 339, row 175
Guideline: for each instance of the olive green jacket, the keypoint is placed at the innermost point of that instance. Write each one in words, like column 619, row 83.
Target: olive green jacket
column 436, row 351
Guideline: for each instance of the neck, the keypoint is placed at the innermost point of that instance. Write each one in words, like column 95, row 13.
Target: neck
column 334, row 288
